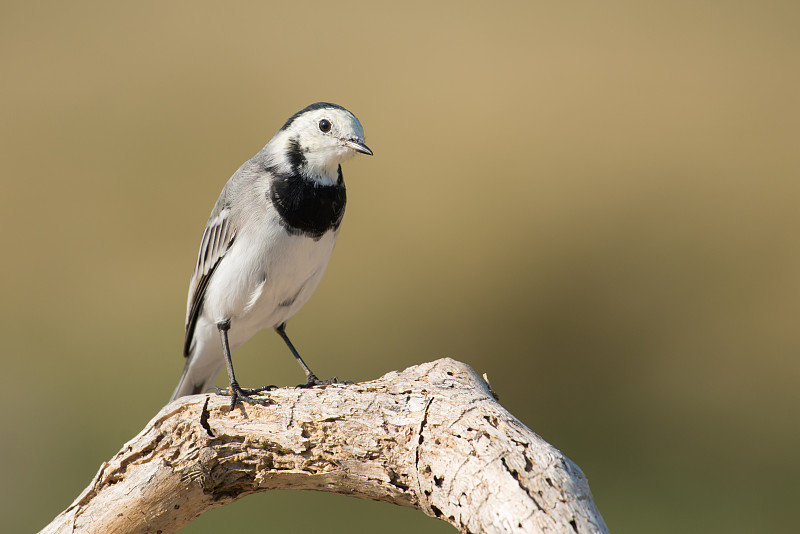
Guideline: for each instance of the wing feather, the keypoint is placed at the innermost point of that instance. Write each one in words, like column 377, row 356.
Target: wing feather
column 217, row 240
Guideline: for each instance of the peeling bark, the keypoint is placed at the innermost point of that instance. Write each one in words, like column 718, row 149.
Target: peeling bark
column 431, row 437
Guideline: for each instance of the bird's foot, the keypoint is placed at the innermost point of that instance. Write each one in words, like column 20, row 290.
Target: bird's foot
column 239, row 394
column 314, row 381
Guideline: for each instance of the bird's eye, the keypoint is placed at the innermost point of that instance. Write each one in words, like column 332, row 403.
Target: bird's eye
column 324, row 126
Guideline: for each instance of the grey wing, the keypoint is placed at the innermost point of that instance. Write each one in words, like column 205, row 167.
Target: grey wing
column 217, row 240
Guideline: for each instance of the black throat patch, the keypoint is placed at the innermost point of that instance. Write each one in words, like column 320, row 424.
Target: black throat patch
column 305, row 207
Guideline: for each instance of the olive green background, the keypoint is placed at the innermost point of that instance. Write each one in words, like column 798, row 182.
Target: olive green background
column 596, row 203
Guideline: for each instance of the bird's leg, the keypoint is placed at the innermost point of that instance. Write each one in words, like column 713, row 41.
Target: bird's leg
column 236, row 393
column 311, row 378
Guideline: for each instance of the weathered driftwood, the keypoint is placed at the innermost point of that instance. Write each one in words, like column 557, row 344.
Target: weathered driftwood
column 431, row 437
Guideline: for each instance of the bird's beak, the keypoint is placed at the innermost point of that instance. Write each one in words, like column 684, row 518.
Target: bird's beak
column 358, row 146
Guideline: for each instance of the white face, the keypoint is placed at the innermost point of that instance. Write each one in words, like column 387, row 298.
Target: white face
column 327, row 137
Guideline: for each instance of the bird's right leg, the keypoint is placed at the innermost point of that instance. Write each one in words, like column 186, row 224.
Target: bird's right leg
column 236, row 393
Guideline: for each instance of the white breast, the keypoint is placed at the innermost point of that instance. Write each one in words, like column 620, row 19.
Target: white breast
column 265, row 278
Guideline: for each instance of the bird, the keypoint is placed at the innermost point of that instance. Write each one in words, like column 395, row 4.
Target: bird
column 267, row 244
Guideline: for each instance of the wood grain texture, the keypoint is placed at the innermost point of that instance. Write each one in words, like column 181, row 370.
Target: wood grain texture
column 431, row 437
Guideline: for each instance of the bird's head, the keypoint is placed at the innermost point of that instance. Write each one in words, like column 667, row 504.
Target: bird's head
column 320, row 137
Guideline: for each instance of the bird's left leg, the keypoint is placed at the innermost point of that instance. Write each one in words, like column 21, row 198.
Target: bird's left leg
column 311, row 378
column 236, row 393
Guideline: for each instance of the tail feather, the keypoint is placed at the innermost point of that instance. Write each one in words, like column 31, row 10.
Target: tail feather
column 199, row 373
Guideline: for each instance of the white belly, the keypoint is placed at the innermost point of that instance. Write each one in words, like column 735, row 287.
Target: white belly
column 264, row 279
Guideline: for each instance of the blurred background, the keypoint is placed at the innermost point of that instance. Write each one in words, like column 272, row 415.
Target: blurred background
column 594, row 203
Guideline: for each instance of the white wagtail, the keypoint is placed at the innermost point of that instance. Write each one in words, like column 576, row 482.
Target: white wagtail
column 267, row 243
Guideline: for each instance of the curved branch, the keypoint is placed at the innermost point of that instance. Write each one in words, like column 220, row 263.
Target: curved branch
column 431, row 437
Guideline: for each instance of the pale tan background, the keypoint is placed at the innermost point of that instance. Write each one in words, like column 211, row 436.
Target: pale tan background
column 594, row 202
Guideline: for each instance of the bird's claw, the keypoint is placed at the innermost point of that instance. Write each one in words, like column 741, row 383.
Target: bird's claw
column 238, row 394
column 314, row 381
